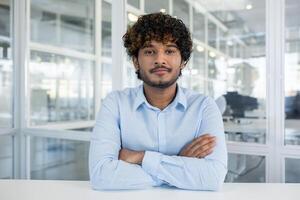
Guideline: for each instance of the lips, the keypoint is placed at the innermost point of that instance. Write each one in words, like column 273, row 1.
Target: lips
column 160, row 70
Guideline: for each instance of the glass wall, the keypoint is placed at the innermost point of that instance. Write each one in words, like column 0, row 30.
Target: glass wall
column 6, row 89
column 57, row 159
column 152, row 6
column 292, row 73
column 228, row 61
column 234, row 70
column 292, row 173
column 62, row 61
column 106, row 59
column 6, row 67
column 6, row 157
column 246, row 168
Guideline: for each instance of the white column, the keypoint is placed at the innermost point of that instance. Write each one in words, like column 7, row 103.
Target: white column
column 20, row 59
column 275, row 87
column 118, row 51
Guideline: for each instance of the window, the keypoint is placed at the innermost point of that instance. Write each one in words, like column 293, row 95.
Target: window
column 6, row 66
column 62, row 62
column 292, row 73
column 58, row 159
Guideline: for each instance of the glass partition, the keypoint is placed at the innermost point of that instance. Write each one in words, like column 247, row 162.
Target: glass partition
column 57, row 159
column 292, row 73
column 67, row 24
column 292, row 173
column 246, row 168
column 106, row 59
column 6, row 157
column 6, row 66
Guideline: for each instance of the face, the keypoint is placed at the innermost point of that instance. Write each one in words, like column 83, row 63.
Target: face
column 159, row 64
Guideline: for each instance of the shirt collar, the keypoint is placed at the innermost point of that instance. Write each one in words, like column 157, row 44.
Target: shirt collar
column 140, row 99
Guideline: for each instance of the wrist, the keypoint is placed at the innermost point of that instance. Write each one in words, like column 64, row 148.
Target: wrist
column 141, row 155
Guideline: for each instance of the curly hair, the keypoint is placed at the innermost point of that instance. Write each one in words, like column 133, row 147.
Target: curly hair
column 161, row 28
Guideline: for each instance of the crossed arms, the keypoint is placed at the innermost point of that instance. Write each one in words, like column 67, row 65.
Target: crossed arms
column 112, row 167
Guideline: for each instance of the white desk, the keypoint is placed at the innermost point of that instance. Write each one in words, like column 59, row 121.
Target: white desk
column 75, row 190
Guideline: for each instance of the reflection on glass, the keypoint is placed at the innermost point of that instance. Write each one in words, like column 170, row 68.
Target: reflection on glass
column 58, row 159
column 237, row 68
column 212, row 34
column 223, row 41
column 6, row 157
column 152, row 6
column 106, row 59
column 131, row 77
column 6, row 67
column 246, row 168
column 292, row 73
column 131, row 18
column 181, row 11
column 292, row 173
column 135, row 3
column 199, row 26
column 68, row 24
column 198, row 70
column 61, row 88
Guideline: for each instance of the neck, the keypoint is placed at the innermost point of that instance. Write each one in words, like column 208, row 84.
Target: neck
column 159, row 97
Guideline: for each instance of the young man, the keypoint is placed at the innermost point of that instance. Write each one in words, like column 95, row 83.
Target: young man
column 158, row 133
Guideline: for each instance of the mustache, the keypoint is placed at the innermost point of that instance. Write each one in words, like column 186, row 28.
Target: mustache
column 160, row 67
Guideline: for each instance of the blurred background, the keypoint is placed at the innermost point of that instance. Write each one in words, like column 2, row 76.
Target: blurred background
column 51, row 89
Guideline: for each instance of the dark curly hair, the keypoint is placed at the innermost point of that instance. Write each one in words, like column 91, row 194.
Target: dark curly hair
column 161, row 28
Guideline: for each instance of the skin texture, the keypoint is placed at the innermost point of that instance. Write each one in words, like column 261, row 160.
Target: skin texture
column 159, row 66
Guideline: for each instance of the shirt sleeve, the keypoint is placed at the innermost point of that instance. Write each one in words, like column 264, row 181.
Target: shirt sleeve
column 106, row 171
column 194, row 173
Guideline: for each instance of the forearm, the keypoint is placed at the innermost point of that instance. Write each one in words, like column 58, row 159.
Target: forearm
column 107, row 172
column 184, row 172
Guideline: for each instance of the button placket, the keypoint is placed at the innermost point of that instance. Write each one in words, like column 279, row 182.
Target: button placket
column 161, row 131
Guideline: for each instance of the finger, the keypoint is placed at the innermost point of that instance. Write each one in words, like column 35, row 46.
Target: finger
column 202, row 143
column 205, row 153
column 203, row 149
column 202, row 138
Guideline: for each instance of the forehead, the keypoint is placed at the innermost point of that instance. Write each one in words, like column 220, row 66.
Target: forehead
column 156, row 44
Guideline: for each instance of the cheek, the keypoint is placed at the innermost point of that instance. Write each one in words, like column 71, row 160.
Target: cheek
column 176, row 63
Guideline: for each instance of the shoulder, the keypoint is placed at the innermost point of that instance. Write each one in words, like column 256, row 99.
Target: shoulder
column 194, row 97
column 124, row 95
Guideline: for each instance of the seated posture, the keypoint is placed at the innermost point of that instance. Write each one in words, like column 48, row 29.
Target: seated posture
column 158, row 133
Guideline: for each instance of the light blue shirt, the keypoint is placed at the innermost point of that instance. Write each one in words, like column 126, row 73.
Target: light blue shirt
column 127, row 120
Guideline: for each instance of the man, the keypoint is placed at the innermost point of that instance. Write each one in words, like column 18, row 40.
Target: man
column 158, row 133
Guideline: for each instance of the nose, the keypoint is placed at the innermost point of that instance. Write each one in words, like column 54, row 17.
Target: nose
column 160, row 59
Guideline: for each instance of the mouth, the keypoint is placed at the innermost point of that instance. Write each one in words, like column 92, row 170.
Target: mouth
column 160, row 71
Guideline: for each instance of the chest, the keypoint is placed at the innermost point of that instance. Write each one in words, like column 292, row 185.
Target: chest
column 165, row 132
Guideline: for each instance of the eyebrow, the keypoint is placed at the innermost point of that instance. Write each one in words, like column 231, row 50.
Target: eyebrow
column 168, row 45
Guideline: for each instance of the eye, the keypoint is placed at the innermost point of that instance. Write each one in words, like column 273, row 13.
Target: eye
column 170, row 51
column 148, row 52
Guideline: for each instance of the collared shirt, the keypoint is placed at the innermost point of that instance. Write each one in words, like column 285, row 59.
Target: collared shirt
column 127, row 120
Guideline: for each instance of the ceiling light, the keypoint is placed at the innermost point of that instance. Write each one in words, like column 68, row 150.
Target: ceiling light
column 212, row 54
column 163, row 10
column 200, row 48
column 249, row 6
column 132, row 17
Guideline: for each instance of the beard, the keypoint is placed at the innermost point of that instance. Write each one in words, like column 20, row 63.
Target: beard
column 157, row 84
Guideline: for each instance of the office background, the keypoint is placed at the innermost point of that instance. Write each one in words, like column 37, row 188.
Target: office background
column 59, row 59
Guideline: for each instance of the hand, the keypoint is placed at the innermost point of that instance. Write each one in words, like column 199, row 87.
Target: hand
column 199, row 147
column 134, row 157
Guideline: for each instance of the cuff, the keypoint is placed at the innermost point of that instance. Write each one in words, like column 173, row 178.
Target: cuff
column 151, row 162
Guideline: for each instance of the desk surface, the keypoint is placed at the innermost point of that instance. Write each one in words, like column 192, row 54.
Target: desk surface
column 75, row 190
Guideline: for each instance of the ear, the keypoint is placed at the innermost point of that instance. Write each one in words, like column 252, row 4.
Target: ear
column 135, row 62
